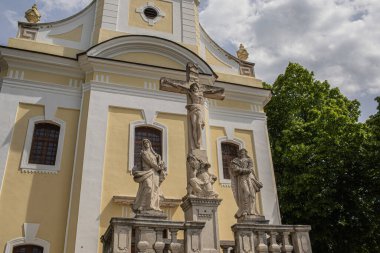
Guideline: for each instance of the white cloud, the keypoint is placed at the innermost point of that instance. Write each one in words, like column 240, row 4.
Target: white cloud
column 64, row 5
column 11, row 17
column 339, row 40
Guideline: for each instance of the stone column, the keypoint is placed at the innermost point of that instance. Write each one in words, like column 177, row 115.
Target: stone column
column 206, row 210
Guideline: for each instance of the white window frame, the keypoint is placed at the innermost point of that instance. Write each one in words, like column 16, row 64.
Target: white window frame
column 22, row 241
column 160, row 14
column 164, row 140
column 224, row 181
column 42, row 168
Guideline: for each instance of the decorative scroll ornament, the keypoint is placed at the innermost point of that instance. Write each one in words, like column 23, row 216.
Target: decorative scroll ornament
column 33, row 15
column 242, row 53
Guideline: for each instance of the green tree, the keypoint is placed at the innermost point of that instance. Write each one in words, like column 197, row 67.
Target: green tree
column 318, row 151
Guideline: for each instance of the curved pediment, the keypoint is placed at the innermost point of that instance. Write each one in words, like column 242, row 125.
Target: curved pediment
column 148, row 50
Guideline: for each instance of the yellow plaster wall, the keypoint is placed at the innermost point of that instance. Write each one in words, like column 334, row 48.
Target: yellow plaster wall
column 164, row 25
column 32, row 45
column 46, row 77
column 105, row 34
column 149, row 58
column 32, row 197
column 73, row 35
column 212, row 60
column 78, row 169
column 233, row 104
column 116, row 177
column 239, row 79
column 228, row 207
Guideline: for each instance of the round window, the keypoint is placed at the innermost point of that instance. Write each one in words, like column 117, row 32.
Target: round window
column 150, row 13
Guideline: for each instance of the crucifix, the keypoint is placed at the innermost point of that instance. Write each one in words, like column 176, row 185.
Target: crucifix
column 196, row 94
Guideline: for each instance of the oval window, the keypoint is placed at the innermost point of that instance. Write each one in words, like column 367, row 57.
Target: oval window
column 150, row 13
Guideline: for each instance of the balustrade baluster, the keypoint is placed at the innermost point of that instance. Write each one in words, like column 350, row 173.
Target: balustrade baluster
column 175, row 247
column 142, row 246
column 286, row 246
column 159, row 245
column 262, row 247
column 273, row 246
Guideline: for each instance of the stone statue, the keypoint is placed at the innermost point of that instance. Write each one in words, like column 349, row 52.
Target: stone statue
column 33, row 15
column 201, row 180
column 244, row 185
column 196, row 94
column 150, row 176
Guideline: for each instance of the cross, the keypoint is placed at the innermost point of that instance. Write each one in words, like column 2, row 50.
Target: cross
column 196, row 94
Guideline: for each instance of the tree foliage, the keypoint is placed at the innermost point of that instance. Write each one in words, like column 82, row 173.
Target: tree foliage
column 326, row 162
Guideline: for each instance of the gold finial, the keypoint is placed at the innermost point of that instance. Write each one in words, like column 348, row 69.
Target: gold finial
column 33, row 15
column 242, row 53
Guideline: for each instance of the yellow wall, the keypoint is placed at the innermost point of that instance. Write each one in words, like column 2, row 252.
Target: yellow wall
column 42, row 47
column 150, row 59
column 233, row 104
column 73, row 35
column 46, row 77
column 32, row 197
column 116, row 177
column 164, row 25
column 212, row 60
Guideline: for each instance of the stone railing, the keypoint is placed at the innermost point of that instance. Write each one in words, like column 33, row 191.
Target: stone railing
column 271, row 238
column 125, row 235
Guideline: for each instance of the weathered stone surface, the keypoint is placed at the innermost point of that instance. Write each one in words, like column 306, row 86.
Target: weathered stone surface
column 244, row 185
column 196, row 94
column 201, row 181
column 150, row 176
column 201, row 209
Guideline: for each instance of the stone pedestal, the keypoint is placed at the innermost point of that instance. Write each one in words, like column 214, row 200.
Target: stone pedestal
column 206, row 210
column 301, row 240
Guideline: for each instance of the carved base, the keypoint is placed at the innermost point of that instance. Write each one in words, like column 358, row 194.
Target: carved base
column 206, row 210
column 258, row 219
column 152, row 214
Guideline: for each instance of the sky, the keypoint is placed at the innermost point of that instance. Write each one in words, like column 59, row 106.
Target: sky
column 339, row 40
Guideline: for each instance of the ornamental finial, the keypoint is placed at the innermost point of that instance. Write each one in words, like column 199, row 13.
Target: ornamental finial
column 33, row 15
column 242, row 53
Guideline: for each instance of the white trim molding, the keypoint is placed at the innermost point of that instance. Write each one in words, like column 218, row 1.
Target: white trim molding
column 30, row 231
column 30, row 167
column 133, row 125
column 224, row 181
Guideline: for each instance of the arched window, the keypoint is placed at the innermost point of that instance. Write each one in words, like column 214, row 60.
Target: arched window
column 44, row 144
column 150, row 133
column 28, row 248
column 229, row 152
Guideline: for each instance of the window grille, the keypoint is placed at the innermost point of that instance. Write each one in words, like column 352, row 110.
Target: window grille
column 229, row 152
column 44, row 144
column 150, row 133
column 28, row 249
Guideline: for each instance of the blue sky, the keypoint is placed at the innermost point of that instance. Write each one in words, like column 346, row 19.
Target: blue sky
column 337, row 39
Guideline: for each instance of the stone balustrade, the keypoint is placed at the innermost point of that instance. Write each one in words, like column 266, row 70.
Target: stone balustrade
column 264, row 238
column 125, row 235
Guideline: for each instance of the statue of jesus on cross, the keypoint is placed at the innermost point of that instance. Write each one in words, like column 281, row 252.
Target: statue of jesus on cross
column 196, row 94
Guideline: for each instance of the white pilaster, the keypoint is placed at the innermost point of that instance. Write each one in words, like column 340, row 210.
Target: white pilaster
column 265, row 172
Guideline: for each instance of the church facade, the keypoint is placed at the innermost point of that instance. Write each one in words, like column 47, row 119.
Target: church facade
column 78, row 97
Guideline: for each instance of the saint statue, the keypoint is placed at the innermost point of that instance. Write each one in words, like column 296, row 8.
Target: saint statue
column 196, row 96
column 201, row 180
column 150, row 176
column 244, row 184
